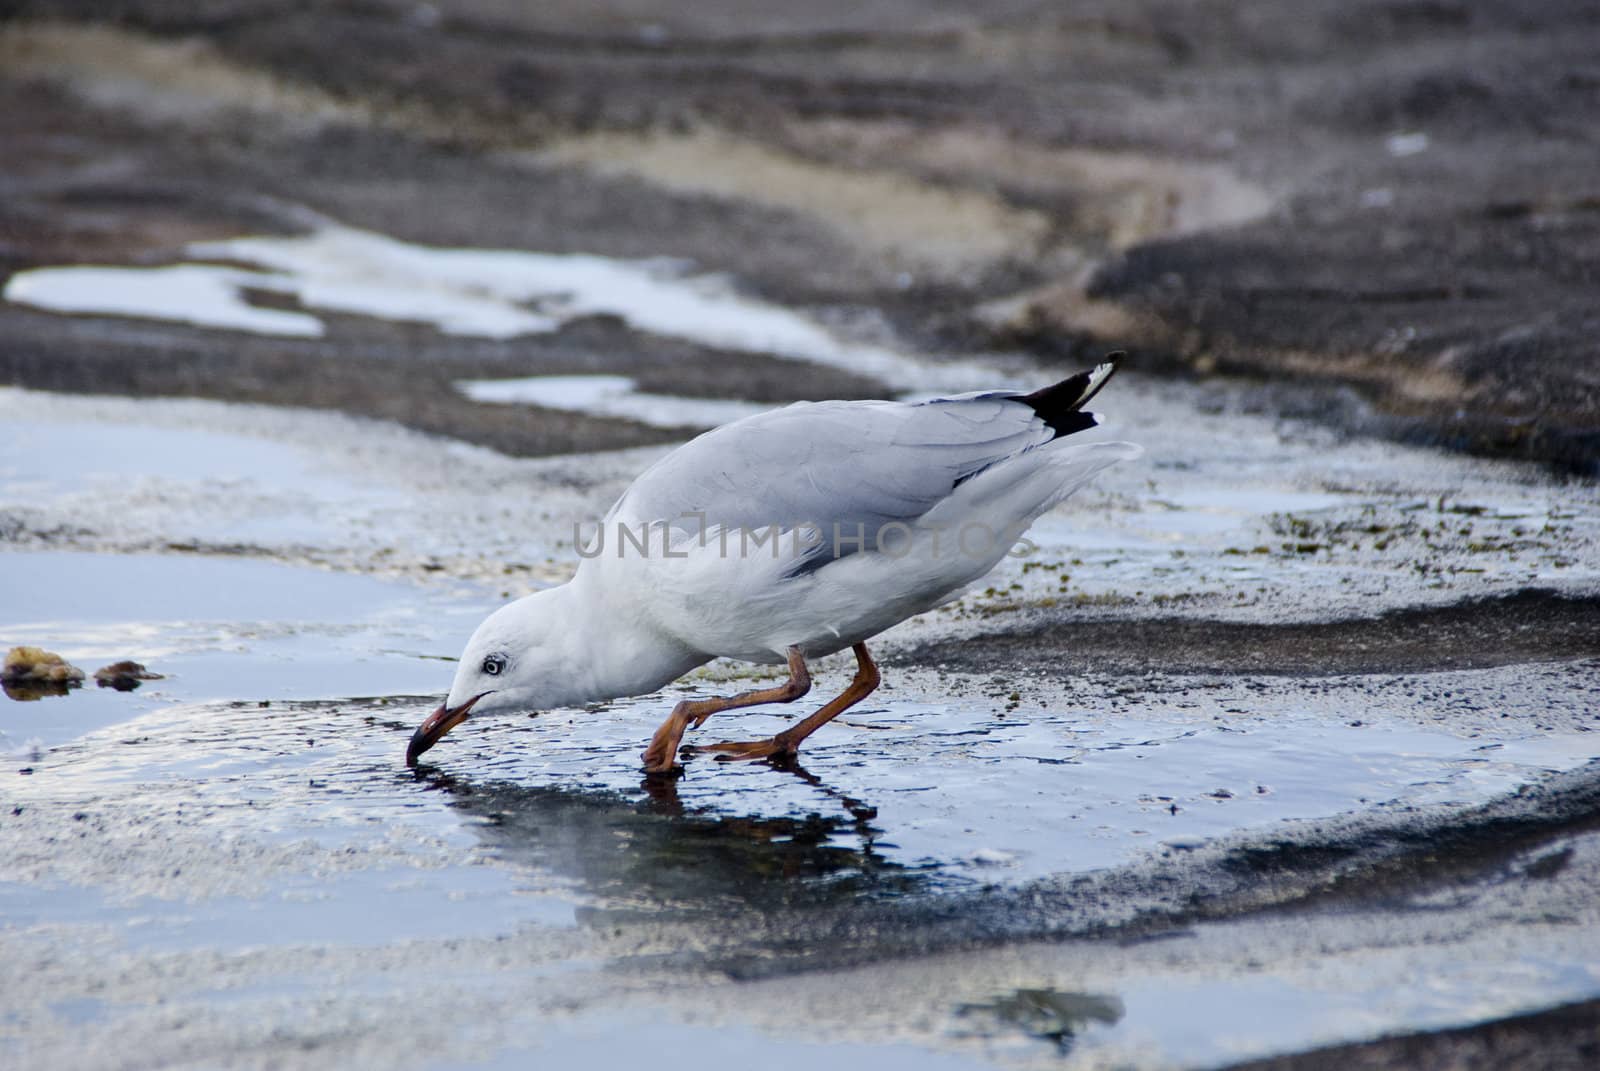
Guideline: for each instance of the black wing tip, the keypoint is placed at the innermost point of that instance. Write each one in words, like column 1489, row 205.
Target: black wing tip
column 1060, row 404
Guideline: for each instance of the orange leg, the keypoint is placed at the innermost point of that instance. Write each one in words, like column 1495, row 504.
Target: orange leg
column 662, row 754
column 787, row 743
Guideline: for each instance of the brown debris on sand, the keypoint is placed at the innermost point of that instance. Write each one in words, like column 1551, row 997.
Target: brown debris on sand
column 36, row 665
column 124, row 676
column 30, row 673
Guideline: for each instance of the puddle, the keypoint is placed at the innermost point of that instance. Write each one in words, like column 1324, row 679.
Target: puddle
column 956, row 793
column 199, row 294
column 112, row 465
column 918, row 798
column 220, row 628
column 609, row 396
column 602, row 1039
column 295, row 485
column 362, row 908
column 1220, row 1017
column 481, row 293
column 273, row 493
column 460, row 876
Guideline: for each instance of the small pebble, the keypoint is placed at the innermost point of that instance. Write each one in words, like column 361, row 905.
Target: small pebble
column 123, row 676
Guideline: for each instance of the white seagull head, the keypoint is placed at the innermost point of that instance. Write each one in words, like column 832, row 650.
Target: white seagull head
column 514, row 661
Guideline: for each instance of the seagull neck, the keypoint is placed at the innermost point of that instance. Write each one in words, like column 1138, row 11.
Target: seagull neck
column 612, row 649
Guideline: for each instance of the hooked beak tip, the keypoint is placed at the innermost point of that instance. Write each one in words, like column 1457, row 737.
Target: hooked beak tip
column 438, row 723
column 419, row 744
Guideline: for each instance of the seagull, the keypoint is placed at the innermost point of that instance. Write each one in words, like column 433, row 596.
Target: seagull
column 779, row 538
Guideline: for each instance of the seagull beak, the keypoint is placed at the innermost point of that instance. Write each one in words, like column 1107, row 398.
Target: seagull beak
column 438, row 723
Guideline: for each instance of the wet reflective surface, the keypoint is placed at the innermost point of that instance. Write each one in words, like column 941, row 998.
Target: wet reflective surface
column 1010, row 855
column 653, row 856
column 218, row 628
column 1043, row 1013
column 486, row 293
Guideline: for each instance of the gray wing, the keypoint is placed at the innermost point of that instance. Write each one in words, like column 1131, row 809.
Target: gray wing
column 866, row 464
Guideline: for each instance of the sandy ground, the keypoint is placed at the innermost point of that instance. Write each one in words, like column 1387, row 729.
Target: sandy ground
column 1278, row 740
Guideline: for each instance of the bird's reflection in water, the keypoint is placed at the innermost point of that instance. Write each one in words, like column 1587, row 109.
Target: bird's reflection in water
column 1047, row 1014
column 649, row 853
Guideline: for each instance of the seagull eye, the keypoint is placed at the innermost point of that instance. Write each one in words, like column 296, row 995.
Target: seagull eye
column 494, row 664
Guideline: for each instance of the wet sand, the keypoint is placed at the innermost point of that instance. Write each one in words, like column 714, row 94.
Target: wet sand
column 1275, row 746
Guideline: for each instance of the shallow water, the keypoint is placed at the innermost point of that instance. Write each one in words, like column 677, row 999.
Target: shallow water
column 219, row 629
column 271, row 493
column 612, row 1041
column 609, row 396
column 909, row 793
column 485, row 293
column 294, row 827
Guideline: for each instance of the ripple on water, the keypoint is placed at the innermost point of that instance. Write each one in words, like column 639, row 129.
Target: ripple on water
column 911, row 799
column 219, row 628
